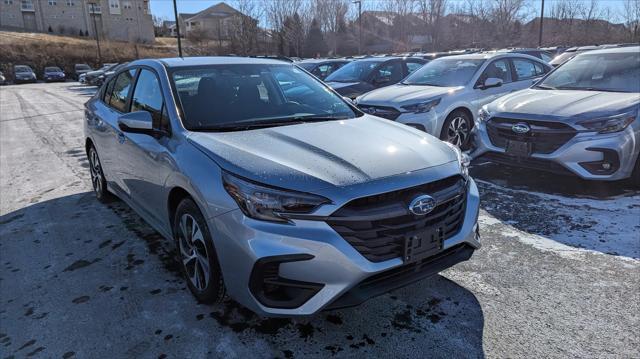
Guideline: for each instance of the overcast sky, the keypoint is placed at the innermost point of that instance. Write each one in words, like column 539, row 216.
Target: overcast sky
column 164, row 8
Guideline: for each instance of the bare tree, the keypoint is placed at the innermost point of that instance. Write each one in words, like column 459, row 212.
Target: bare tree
column 400, row 10
column 631, row 17
column 244, row 30
column 432, row 12
column 331, row 13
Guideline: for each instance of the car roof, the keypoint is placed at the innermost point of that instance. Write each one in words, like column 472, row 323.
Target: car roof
column 320, row 61
column 616, row 50
column 488, row 55
column 209, row 60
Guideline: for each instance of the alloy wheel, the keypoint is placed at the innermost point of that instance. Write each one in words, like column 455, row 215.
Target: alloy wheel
column 193, row 252
column 96, row 171
column 458, row 131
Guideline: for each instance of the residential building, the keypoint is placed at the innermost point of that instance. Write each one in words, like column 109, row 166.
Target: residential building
column 124, row 20
column 215, row 22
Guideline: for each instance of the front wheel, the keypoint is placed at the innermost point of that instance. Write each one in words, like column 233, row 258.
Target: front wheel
column 98, row 180
column 457, row 128
column 198, row 258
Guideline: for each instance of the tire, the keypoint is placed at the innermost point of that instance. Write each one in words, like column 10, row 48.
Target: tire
column 196, row 254
column 98, row 181
column 457, row 128
column 635, row 175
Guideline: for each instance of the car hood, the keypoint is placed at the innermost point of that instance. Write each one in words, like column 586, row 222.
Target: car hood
column 403, row 94
column 94, row 73
column 318, row 155
column 564, row 103
column 56, row 73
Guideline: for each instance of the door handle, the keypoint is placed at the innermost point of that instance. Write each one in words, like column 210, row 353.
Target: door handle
column 121, row 137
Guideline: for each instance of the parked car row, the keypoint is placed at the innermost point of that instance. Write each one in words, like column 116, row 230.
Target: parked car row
column 26, row 74
column 294, row 199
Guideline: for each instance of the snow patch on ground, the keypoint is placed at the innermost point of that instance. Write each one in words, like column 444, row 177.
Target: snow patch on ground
column 565, row 225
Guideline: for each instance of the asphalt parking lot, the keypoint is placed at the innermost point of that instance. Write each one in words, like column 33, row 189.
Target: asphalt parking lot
column 558, row 274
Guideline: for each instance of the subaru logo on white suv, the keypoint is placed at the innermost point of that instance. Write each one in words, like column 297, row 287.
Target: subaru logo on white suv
column 422, row 205
column 520, row 128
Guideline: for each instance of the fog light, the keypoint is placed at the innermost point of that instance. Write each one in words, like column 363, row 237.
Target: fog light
column 606, row 165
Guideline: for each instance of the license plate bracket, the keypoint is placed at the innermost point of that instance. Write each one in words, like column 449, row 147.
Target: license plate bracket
column 518, row 148
column 422, row 244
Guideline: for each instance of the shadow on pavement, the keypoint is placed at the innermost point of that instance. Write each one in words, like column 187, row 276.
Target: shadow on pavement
column 434, row 317
column 548, row 208
column 82, row 90
column 545, row 182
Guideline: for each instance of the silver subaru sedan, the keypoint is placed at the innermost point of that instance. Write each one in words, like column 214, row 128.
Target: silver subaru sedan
column 276, row 191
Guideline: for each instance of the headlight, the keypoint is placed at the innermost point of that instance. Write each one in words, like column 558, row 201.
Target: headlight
column 609, row 124
column 422, row 107
column 463, row 159
column 268, row 203
column 484, row 114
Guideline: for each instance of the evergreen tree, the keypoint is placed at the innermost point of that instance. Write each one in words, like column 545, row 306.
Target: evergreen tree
column 314, row 44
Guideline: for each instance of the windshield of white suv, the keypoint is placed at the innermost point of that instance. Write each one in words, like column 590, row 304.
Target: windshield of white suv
column 353, row 71
column 445, row 72
column 614, row 72
column 232, row 97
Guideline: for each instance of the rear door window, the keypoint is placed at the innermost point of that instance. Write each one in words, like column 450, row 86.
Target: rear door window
column 525, row 69
column 121, row 88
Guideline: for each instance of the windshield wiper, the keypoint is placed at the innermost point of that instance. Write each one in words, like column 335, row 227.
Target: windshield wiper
column 545, row 87
column 587, row 89
column 281, row 121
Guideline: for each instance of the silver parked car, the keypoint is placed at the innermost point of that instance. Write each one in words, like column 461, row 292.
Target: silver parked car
column 581, row 119
column 442, row 97
column 291, row 201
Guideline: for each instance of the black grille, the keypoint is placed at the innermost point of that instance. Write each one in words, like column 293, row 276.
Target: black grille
column 376, row 225
column 389, row 113
column 528, row 162
column 545, row 137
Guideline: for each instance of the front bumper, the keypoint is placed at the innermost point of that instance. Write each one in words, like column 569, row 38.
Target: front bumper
column 582, row 155
column 428, row 122
column 320, row 259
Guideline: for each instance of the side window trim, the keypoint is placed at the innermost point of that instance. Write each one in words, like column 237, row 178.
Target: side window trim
column 164, row 102
column 129, row 93
column 507, row 61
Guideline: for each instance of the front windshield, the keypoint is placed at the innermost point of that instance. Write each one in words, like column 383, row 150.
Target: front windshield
column 52, row 69
column 445, row 72
column 223, row 96
column 616, row 72
column 23, row 69
column 562, row 58
column 83, row 67
column 353, row 71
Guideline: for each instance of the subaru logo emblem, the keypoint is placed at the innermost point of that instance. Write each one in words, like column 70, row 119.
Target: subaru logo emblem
column 520, row 128
column 422, row 205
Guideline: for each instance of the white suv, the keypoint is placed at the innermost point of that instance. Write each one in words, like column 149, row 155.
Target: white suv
column 443, row 96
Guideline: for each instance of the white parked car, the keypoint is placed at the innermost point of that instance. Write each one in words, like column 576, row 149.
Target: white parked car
column 443, row 97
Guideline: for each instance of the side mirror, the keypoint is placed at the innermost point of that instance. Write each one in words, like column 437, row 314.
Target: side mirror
column 492, row 82
column 137, row 122
column 349, row 100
